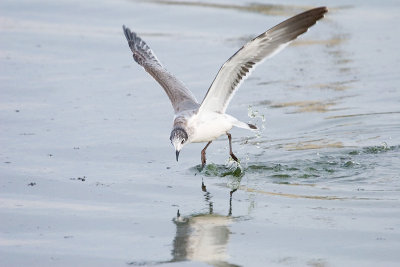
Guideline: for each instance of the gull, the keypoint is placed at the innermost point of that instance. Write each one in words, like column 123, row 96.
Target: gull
column 196, row 122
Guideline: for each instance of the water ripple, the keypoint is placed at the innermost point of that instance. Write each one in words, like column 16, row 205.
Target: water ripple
column 343, row 165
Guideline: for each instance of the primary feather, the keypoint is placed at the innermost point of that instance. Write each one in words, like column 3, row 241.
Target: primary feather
column 264, row 46
column 180, row 97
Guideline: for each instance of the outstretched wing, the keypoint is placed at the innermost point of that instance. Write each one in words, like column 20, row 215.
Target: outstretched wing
column 181, row 98
column 266, row 45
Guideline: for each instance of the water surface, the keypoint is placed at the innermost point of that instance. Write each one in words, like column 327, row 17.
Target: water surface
column 87, row 173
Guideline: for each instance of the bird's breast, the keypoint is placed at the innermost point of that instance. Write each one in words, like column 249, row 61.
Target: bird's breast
column 208, row 127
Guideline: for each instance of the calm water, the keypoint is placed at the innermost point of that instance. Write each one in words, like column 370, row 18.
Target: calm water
column 88, row 175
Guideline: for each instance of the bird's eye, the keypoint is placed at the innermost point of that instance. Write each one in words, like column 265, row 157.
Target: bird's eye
column 183, row 141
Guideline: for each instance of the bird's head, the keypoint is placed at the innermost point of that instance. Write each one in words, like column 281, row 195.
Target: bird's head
column 178, row 139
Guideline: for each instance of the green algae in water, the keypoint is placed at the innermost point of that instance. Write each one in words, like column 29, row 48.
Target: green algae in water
column 260, row 168
column 329, row 170
column 326, row 166
column 374, row 150
column 281, row 176
column 236, row 172
column 306, row 175
column 217, row 170
column 311, row 169
column 377, row 149
column 354, row 152
column 349, row 163
column 280, row 182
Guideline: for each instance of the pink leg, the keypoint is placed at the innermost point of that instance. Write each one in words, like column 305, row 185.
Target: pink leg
column 203, row 155
column 230, row 148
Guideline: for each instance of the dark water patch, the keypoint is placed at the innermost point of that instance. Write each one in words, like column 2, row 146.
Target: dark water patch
column 311, row 169
column 329, row 170
column 306, row 175
column 273, row 167
column 378, row 149
column 219, row 170
column 343, row 165
column 292, row 171
column 349, row 164
column 260, row 168
column 354, row 152
column 281, row 176
column 374, row 150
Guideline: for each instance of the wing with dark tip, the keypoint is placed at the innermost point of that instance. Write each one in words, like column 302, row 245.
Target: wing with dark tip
column 266, row 45
column 181, row 98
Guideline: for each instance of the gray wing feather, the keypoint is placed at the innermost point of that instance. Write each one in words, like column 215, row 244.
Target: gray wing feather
column 181, row 98
column 266, row 45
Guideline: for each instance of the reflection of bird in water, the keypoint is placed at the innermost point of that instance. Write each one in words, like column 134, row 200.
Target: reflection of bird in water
column 196, row 122
column 203, row 237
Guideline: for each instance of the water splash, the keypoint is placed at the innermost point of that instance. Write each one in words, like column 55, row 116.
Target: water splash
column 219, row 170
column 331, row 165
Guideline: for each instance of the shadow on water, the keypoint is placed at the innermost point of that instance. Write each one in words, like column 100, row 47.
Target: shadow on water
column 201, row 237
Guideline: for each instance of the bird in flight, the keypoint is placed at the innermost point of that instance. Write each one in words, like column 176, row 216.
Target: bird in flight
column 196, row 122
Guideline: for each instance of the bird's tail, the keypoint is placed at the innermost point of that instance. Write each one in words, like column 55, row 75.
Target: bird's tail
column 244, row 125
